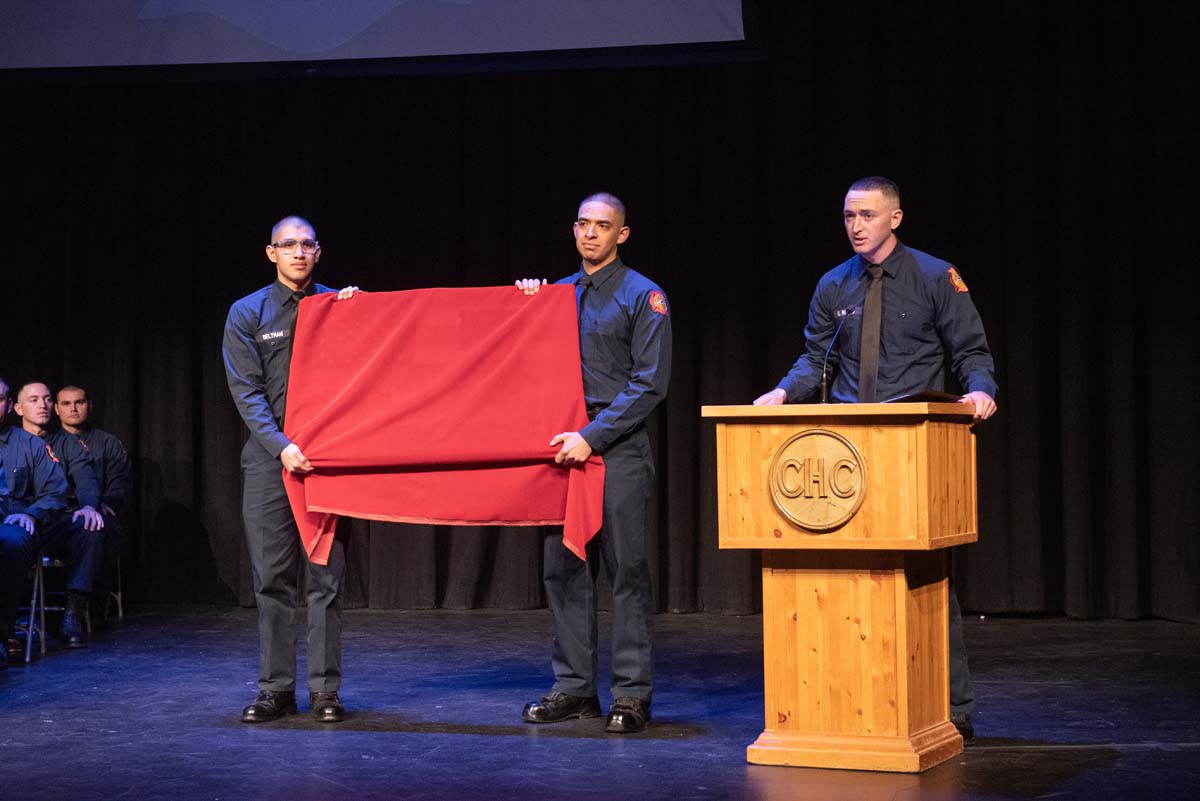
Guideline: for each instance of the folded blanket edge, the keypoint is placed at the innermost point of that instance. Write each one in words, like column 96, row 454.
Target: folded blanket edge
column 438, row 521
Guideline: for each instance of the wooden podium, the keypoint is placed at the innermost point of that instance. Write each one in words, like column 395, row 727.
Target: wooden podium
column 852, row 506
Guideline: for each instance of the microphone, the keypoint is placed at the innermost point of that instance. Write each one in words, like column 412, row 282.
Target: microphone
column 845, row 314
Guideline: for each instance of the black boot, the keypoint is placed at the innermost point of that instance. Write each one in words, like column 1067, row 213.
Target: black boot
column 73, row 618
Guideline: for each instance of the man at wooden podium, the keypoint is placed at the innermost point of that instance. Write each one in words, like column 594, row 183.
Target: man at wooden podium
column 883, row 323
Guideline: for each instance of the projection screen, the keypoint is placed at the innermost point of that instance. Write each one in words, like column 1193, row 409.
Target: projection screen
column 122, row 33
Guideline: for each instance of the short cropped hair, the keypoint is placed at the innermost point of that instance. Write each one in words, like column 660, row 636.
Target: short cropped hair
column 292, row 219
column 75, row 387
column 608, row 199
column 29, row 384
column 877, row 183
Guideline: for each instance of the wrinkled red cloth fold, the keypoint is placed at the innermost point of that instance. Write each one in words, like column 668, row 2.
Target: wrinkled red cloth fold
column 437, row 406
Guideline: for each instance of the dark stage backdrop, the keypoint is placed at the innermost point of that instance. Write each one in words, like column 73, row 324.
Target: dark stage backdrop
column 1036, row 159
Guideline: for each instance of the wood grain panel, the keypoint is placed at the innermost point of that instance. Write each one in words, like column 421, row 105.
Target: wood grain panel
column 855, row 646
column 920, row 478
column 855, row 627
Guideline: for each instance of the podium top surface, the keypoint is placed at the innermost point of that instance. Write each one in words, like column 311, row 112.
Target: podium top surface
column 841, row 410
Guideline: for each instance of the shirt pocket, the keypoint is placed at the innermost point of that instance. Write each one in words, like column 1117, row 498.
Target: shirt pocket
column 849, row 341
column 18, row 481
column 600, row 339
column 915, row 330
column 272, row 340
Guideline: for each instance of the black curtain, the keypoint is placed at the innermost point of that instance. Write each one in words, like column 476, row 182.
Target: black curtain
column 1037, row 153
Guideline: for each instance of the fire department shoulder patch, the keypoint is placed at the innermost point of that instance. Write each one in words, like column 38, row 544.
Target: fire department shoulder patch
column 658, row 302
column 50, row 453
column 956, row 281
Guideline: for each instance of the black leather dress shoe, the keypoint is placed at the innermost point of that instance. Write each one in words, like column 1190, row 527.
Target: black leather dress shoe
column 628, row 715
column 327, row 707
column 559, row 706
column 14, row 650
column 962, row 722
column 270, row 705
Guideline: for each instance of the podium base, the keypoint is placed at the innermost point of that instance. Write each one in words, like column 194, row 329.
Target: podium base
column 858, row 751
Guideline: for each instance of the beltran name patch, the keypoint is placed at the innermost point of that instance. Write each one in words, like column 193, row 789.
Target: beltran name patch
column 267, row 337
column 956, row 281
column 658, row 302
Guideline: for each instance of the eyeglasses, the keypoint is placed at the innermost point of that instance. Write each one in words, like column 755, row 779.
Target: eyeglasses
column 289, row 245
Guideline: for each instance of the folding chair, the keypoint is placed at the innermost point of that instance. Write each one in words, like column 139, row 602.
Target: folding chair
column 38, row 608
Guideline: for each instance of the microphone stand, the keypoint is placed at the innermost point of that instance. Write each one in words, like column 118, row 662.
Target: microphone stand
column 825, row 361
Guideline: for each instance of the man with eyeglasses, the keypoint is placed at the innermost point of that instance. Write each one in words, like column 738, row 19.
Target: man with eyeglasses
column 33, row 493
column 257, row 350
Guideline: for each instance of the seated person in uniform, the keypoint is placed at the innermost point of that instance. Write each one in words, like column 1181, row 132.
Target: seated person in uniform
column 110, row 461
column 76, row 538
column 33, row 493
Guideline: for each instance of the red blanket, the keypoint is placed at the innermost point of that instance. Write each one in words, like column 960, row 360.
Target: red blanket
column 437, row 406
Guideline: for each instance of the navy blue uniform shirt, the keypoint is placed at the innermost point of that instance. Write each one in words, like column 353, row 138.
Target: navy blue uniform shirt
column 625, row 349
column 83, row 487
column 109, row 461
column 33, row 483
column 927, row 313
column 258, row 352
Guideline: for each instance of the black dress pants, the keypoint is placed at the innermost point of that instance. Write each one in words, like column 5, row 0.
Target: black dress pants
column 276, row 559
column 962, row 690
column 61, row 538
column 571, row 584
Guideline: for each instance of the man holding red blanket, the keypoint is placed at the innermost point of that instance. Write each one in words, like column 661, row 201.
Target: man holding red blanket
column 257, row 350
column 625, row 349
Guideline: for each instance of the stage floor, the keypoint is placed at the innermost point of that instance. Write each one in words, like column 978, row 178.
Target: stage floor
column 1066, row 710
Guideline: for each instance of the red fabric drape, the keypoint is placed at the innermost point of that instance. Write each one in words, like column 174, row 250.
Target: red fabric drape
column 437, row 406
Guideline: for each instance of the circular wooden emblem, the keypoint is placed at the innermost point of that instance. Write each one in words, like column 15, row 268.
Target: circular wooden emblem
column 818, row 479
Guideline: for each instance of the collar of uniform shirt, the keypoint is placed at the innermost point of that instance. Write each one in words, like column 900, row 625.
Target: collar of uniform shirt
column 601, row 276
column 283, row 293
column 890, row 265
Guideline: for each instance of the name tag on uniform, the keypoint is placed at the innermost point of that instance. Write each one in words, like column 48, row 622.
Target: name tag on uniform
column 268, row 336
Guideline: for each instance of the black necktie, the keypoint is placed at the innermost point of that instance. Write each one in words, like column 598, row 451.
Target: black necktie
column 297, row 296
column 868, row 373
column 581, row 289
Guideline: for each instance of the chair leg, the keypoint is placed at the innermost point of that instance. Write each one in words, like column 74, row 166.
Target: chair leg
column 32, row 628
column 116, row 595
column 120, row 592
column 42, row 607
